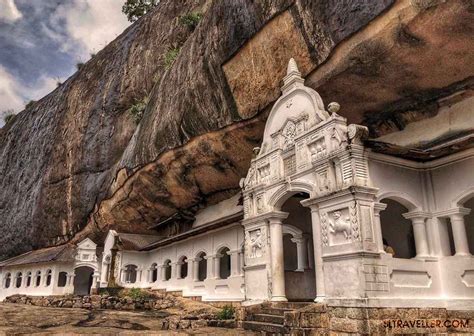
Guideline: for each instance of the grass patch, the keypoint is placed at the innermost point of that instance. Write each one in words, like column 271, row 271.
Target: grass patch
column 137, row 109
column 191, row 20
column 170, row 57
column 227, row 313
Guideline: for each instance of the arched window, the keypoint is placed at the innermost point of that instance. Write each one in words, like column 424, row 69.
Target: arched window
column 224, row 263
column 48, row 277
column 38, row 279
column 62, row 279
column 167, row 270
column 131, row 273
column 183, row 270
column 154, row 272
column 202, row 266
column 19, row 280
column 7, row 281
column 28, row 279
column 397, row 232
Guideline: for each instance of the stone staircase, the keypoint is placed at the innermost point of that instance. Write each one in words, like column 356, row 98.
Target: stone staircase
column 269, row 317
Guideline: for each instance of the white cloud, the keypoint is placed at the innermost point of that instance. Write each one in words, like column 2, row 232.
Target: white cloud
column 14, row 95
column 8, row 11
column 93, row 23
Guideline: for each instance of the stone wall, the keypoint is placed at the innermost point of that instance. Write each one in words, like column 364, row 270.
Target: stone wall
column 160, row 301
column 321, row 319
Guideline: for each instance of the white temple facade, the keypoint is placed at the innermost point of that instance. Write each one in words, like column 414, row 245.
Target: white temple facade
column 320, row 217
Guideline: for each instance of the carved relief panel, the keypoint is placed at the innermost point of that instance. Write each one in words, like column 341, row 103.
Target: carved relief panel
column 340, row 226
column 255, row 245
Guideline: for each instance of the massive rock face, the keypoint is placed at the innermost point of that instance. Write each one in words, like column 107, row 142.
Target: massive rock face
column 76, row 163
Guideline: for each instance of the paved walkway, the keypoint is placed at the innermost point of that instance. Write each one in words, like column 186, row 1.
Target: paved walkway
column 27, row 320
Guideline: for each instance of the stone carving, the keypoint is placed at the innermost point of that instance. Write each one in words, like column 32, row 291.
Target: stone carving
column 354, row 221
column 323, row 181
column 251, row 178
column 338, row 137
column 339, row 224
column 357, row 133
column 317, row 149
column 264, row 173
column 289, row 133
column 260, row 204
column 324, row 229
column 256, row 243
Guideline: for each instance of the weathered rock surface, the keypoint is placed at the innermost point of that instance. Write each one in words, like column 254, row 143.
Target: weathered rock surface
column 76, row 162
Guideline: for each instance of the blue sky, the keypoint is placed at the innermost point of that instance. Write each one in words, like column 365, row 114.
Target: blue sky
column 42, row 40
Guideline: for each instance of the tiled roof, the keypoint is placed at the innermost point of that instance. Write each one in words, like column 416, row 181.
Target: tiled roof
column 135, row 242
column 63, row 253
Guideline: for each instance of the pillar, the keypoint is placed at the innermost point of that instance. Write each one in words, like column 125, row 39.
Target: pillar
column 234, row 263
column 194, row 268
column 302, row 253
column 378, row 207
column 95, row 281
column 241, row 262
column 162, row 270
column 458, row 227
column 317, row 250
column 277, row 261
column 216, row 261
column 419, row 231
column 210, row 267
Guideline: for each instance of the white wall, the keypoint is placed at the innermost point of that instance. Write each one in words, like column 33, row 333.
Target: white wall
column 210, row 242
column 52, row 289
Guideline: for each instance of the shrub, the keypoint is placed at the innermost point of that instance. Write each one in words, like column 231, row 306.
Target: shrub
column 191, row 20
column 137, row 109
column 30, row 104
column 134, row 9
column 227, row 313
column 79, row 65
column 137, row 294
column 170, row 56
column 8, row 117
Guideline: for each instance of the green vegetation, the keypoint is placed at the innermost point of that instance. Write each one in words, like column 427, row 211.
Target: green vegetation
column 30, row 104
column 137, row 294
column 170, row 56
column 8, row 116
column 227, row 313
column 79, row 65
column 134, row 9
column 191, row 20
column 137, row 109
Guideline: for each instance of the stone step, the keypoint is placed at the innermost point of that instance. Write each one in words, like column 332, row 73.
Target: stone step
column 275, row 319
column 274, row 311
column 274, row 329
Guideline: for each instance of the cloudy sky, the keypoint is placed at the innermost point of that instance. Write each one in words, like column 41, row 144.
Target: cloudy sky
column 42, row 40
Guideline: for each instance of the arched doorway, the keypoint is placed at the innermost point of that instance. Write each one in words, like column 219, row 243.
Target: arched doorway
column 83, row 280
column 397, row 231
column 300, row 281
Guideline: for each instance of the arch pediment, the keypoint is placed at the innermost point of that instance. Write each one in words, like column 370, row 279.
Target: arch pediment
column 299, row 105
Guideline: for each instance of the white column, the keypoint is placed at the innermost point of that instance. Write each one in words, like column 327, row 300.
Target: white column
column 174, row 271
column 301, row 252
column 241, row 262
column 216, row 271
column 95, row 280
column 277, row 261
column 210, row 266
column 123, row 275
column 139, row 275
column 378, row 207
column 195, row 268
column 318, row 252
column 162, row 271
column 459, row 232
column 419, row 231
column 234, row 263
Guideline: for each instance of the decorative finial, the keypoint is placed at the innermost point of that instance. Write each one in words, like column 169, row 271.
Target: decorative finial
column 334, row 107
column 292, row 67
column 293, row 77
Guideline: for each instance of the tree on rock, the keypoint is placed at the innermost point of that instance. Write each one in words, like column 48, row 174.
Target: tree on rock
column 134, row 9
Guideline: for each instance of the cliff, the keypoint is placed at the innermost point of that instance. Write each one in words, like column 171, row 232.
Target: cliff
column 77, row 163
